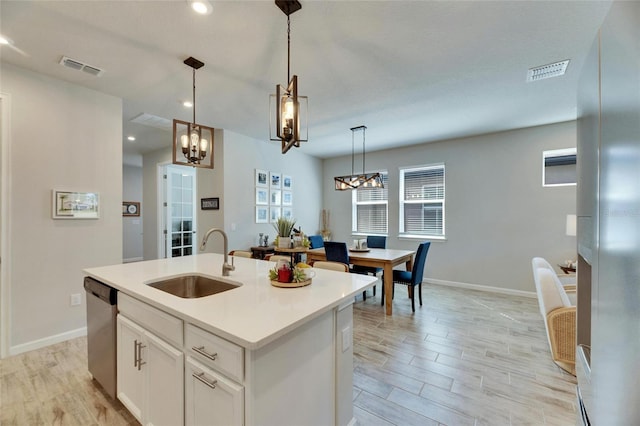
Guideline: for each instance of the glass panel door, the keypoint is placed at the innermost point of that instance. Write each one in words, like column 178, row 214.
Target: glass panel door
column 181, row 221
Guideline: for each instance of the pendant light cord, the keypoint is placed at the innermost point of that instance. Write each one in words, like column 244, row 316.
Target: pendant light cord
column 353, row 149
column 364, row 131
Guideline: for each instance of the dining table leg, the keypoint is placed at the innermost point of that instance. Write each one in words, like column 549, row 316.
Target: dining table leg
column 388, row 287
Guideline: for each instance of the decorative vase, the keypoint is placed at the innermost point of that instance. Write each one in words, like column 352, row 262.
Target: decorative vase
column 284, row 242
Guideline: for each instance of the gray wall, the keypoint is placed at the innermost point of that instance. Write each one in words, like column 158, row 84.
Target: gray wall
column 78, row 134
column 242, row 155
column 132, row 225
column 498, row 215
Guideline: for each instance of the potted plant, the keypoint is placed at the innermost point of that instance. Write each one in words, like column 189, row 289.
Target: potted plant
column 284, row 227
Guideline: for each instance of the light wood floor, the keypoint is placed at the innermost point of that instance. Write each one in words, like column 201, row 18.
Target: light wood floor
column 464, row 358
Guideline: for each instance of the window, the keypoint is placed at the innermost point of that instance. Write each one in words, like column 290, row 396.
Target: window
column 559, row 167
column 422, row 201
column 369, row 209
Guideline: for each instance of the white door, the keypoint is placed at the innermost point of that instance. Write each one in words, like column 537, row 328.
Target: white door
column 164, row 383
column 180, row 212
column 130, row 370
column 211, row 399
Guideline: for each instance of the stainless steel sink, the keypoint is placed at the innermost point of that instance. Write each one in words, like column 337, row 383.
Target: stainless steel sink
column 193, row 286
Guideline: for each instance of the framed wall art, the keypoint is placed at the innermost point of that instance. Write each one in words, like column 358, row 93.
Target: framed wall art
column 287, row 212
column 262, row 196
column 74, row 205
column 276, row 197
column 287, row 182
column 262, row 214
column 262, row 178
column 210, row 203
column 275, row 180
column 287, row 198
column 274, row 214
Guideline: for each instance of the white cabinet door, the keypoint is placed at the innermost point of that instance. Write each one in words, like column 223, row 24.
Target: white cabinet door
column 210, row 398
column 130, row 373
column 164, row 383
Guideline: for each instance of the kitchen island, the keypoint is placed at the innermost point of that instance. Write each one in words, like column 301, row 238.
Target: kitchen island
column 256, row 354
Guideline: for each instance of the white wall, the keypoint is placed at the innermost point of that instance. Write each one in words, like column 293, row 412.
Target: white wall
column 132, row 225
column 242, row 155
column 498, row 215
column 78, row 145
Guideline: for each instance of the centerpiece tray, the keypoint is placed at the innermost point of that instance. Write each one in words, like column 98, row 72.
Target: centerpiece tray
column 290, row 285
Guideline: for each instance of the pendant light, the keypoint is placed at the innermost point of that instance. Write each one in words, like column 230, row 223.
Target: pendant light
column 287, row 107
column 192, row 143
column 358, row 181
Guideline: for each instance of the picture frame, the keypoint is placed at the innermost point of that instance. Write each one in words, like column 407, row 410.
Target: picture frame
column 210, row 203
column 275, row 198
column 74, row 204
column 287, row 182
column 274, row 214
column 262, row 214
column 287, row 212
column 275, row 180
column 130, row 208
column 287, row 198
column 262, row 196
column 262, row 178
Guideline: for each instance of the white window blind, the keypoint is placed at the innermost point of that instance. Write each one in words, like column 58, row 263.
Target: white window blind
column 422, row 201
column 369, row 209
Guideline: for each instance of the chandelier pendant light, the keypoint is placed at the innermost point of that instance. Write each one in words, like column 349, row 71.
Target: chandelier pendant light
column 358, row 181
column 192, row 142
column 287, row 108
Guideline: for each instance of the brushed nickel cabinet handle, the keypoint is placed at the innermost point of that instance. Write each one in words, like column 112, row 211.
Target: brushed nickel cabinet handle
column 201, row 351
column 140, row 361
column 201, row 377
column 135, row 353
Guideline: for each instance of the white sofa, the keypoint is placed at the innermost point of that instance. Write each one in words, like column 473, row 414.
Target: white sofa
column 558, row 312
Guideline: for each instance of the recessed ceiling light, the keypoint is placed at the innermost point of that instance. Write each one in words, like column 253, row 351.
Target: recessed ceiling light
column 203, row 7
column 187, row 104
column 131, row 138
column 5, row 40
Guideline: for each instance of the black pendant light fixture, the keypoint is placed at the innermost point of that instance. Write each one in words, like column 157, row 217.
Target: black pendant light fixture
column 192, row 143
column 358, row 181
column 287, row 107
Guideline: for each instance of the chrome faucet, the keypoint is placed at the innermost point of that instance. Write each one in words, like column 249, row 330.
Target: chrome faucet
column 225, row 266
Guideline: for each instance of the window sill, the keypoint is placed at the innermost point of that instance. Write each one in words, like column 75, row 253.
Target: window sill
column 422, row 237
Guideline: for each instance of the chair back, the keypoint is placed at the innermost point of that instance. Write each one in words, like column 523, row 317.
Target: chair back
column 241, row 253
column 419, row 262
column 333, row 266
column 336, row 252
column 316, row 241
column 376, row 241
column 277, row 257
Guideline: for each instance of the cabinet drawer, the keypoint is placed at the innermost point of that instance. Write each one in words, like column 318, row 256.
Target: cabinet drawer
column 217, row 353
column 164, row 325
column 210, row 398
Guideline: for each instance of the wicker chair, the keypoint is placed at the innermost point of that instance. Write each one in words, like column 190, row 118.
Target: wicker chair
column 559, row 318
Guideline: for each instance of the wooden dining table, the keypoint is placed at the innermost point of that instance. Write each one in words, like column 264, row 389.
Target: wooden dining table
column 377, row 258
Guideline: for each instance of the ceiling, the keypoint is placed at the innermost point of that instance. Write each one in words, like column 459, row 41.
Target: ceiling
column 411, row 71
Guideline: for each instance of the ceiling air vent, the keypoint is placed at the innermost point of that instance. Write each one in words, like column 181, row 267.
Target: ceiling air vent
column 80, row 66
column 547, row 71
column 153, row 121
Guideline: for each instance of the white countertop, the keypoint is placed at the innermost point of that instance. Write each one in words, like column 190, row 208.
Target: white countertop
column 252, row 315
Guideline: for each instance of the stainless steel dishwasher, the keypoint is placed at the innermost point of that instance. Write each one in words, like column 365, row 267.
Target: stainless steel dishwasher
column 102, row 309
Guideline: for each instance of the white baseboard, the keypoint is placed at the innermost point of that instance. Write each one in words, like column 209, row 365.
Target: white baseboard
column 133, row 259
column 490, row 289
column 47, row 341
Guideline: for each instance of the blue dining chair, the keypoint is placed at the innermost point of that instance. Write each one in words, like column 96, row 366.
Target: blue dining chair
column 316, row 241
column 412, row 278
column 373, row 241
column 336, row 252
